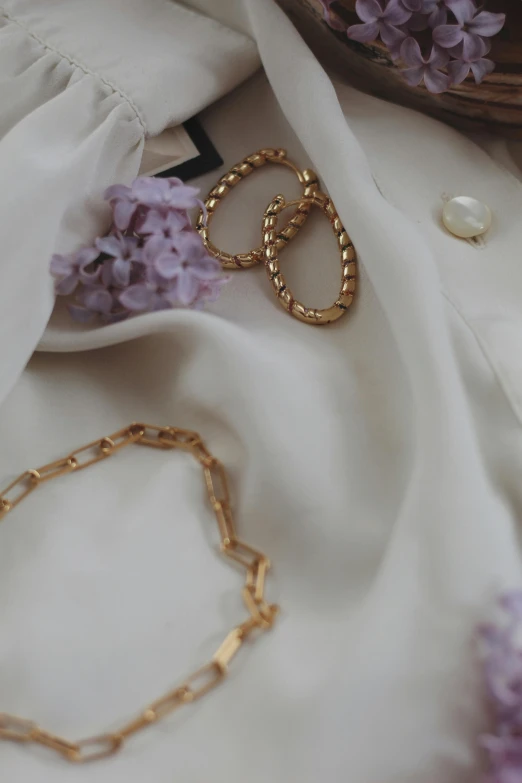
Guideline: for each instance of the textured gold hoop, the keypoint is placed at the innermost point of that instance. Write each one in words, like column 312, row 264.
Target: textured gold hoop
column 348, row 263
column 307, row 178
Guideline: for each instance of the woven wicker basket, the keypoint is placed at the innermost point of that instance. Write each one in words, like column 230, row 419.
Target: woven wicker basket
column 496, row 104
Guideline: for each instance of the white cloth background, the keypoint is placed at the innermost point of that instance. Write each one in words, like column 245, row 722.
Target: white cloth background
column 377, row 461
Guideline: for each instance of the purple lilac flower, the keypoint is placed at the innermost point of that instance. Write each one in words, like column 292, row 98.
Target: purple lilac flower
column 456, row 26
column 160, row 230
column 157, row 193
column 432, row 14
column 185, row 274
column 95, row 300
column 164, row 193
column 501, row 647
column 331, row 18
column 460, row 67
column 380, row 20
column 152, row 260
column 124, row 205
column 471, row 29
column 68, row 271
column 415, row 6
column 425, row 69
column 123, row 252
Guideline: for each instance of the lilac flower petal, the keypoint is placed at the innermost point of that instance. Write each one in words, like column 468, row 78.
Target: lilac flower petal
column 206, row 270
column 80, row 314
column 155, row 246
column 391, row 36
column 438, row 16
column 160, row 193
column 411, row 54
column 155, row 222
column 436, row 81
column 487, row 24
column 117, row 192
column 364, row 33
column 159, row 302
column 123, row 212
column 183, row 196
column 412, row 5
column 395, row 13
column 152, row 223
column 187, row 288
column 97, row 299
column 413, row 76
column 458, row 70
column 137, row 297
column 86, row 256
column 438, row 58
column 473, row 47
column 462, row 10
column 190, row 246
column 448, row 35
column 67, row 285
column 61, row 266
column 168, row 265
column 368, row 10
column 481, row 68
column 121, row 270
column 110, row 245
column 150, row 189
column 90, row 277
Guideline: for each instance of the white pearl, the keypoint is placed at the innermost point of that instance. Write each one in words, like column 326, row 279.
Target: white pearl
column 466, row 217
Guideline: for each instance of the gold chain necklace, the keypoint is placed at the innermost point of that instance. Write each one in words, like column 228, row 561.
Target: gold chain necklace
column 261, row 614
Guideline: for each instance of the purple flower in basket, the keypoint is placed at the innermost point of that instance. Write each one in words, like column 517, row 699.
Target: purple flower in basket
column 459, row 68
column 382, row 21
column 425, row 69
column 470, row 30
column 432, row 14
column 68, row 271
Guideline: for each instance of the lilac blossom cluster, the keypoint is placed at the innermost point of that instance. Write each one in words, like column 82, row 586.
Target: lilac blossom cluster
column 501, row 647
column 152, row 259
column 437, row 42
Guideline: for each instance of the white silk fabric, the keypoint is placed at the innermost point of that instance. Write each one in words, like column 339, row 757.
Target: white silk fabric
column 377, row 461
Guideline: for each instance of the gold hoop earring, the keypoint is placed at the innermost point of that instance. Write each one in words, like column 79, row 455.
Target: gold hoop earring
column 237, row 173
column 348, row 263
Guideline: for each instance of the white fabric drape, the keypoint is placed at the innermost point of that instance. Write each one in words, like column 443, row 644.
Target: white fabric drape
column 79, row 92
column 377, row 461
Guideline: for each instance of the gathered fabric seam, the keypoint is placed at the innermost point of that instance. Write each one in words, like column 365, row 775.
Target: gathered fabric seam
column 79, row 65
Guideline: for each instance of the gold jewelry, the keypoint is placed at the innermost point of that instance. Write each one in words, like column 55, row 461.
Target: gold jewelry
column 262, row 614
column 308, row 178
column 348, row 262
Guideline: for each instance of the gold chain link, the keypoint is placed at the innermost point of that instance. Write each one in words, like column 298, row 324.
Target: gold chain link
column 261, row 614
